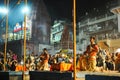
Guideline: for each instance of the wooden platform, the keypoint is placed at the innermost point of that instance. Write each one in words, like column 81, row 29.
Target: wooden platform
column 81, row 75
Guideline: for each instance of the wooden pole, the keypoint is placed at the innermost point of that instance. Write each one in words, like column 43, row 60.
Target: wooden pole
column 6, row 36
column 74, row 36
column 25, row 20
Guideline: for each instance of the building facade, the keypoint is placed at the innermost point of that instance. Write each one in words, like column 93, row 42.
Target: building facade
column 61, row 35
column 104, row 26
column 37, row 28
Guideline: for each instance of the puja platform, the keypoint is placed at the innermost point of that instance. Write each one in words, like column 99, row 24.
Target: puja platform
column 13, row 75
column 106, row 75
column 50, row 75
column 36, row 75
column 60, row 75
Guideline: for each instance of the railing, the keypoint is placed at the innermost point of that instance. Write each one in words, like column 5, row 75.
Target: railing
column 99, row 20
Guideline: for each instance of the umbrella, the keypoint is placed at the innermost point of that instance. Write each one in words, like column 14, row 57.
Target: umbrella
column 77, row 52
column 118, row 50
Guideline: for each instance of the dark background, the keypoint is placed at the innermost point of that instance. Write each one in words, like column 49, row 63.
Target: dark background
column 62, row 9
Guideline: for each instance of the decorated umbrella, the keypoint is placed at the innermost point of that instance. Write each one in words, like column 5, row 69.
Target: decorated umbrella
column 118, row 50
column 77, row 51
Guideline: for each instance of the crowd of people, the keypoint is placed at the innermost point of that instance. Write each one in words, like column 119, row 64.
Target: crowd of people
column 97, row 59
column 92, row 59
column 41, row 62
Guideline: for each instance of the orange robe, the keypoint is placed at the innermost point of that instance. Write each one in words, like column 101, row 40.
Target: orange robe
column 92, row 57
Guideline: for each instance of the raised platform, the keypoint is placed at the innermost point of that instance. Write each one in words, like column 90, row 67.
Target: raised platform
column 102, row 77
column 56, row 75
column 36, row 75
column 47, row 75
column 108, row 75
column 12, row 75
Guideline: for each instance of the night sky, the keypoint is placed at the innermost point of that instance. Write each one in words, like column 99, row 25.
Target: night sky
column 62, row 9
column 15, row 11
column 58, row 9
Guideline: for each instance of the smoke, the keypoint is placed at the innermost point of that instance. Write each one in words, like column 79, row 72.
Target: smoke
column 43, row 28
